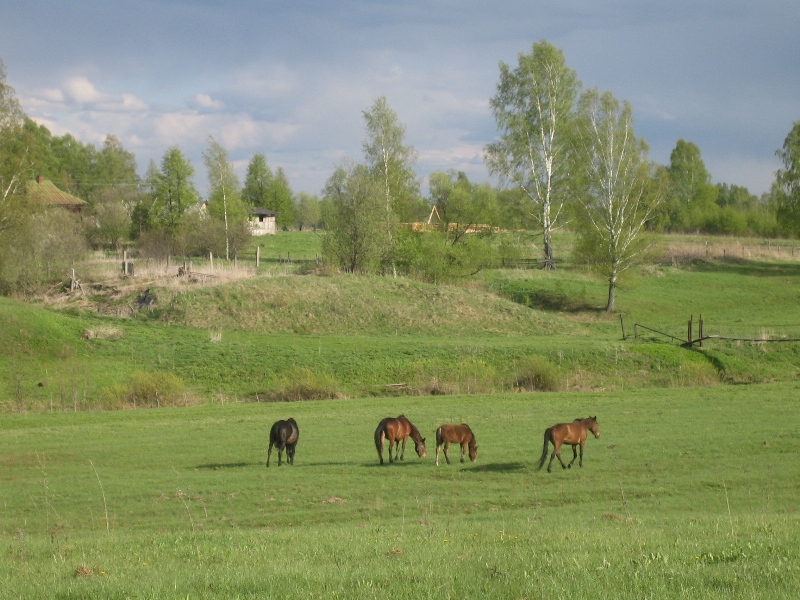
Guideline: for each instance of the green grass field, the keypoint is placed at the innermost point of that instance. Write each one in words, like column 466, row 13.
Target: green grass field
column 688, row 493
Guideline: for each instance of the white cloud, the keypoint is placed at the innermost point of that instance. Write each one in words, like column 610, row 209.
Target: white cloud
column 82, row 91
column 206, row 101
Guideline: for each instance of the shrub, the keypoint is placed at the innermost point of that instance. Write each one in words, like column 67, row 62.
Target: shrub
column 537, row 373
column 146, row 390
column 304, row 384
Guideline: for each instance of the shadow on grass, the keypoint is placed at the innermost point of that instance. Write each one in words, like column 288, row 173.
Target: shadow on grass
column 236, row 465
column 498, row 467
column 743, row 266
column 397, row 463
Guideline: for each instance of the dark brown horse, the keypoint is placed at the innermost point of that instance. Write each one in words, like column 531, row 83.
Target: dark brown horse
column 456, row 434
column 284, row 434
column 396, row 431
column 573, row 434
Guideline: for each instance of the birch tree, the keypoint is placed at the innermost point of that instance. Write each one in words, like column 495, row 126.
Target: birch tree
column 391, row 162
column 225, row 200
column 618, row 198
column 14, row 158
column 534, row 106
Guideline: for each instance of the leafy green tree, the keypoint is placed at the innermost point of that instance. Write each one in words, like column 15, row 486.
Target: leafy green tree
column 786, row 188
column 353, row 214
column 107, row 222
column 224, row 201
column 114, row 168
column 307, row 211
column 257, row 182
column 534, row 107
column 14, row 153
column 391, row 162
column 281, row 200
column 464, row 208
column 172, row 189
column 691, row 199
column 618, row 199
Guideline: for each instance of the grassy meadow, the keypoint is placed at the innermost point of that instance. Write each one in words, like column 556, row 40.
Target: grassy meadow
column 690, row 492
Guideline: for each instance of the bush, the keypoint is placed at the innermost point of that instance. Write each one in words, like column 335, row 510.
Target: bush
column 537, row 373
column 303, row 384
column 39, row 250
column 146, row 390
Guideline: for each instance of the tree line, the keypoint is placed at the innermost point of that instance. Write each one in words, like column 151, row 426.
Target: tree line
column 565, row 158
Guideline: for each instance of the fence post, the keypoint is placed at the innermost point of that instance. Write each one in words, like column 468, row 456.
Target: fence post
column 258, row 255
column 622, row 324
column 689, row 339
column 700, row 331
column 211, row 260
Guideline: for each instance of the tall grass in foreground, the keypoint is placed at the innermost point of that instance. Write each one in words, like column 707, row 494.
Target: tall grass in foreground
column 687, row 494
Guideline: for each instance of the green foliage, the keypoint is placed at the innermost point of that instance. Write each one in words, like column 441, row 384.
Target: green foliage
column 435, row 257
column 38, row 251
column 224, row 202
column 13, row 155
column 391, row 161
column 108, row 223
column 304, row 384
column 145, row 390
column 171, row 189
column 537, row 374
column 619, row 198
column 786, row 189
column 257, row 182
column 199, row 233
column 357, row 238
column 307, row 212
column 534, row 107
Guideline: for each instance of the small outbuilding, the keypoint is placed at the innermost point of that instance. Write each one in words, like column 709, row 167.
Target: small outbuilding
column 262, row 221
column 44, row 191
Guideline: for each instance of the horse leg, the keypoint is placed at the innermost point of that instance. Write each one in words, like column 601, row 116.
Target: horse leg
column 574, row 455
column 391, row 443
column 403, row 451
column 556, row 454
column 290, row 454
column 438, row 447
column 581, row 461
column 446, row 448
column 281, row 446
column 269, row 452
column 463, row 450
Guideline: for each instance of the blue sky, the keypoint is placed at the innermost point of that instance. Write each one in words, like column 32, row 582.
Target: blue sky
column 291, row 79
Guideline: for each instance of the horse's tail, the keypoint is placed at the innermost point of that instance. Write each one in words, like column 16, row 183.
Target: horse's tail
column 547, row 435
column 380, row 433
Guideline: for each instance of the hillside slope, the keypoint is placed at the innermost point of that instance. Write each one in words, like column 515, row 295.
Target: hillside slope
column 349, row 304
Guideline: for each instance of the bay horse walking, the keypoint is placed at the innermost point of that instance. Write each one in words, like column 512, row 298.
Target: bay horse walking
column 456, row 434
column 573, row 434
column 284, row 435
column 396, row 431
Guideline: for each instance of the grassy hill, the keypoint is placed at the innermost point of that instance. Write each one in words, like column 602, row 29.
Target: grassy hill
column 269, row 334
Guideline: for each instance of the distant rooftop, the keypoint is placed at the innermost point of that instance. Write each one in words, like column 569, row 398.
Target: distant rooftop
column 44, row 191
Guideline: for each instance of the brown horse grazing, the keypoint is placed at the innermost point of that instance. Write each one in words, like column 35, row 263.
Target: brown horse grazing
column 284, row 434
column 456, row 434
column 573, row 434
column 397, row 430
